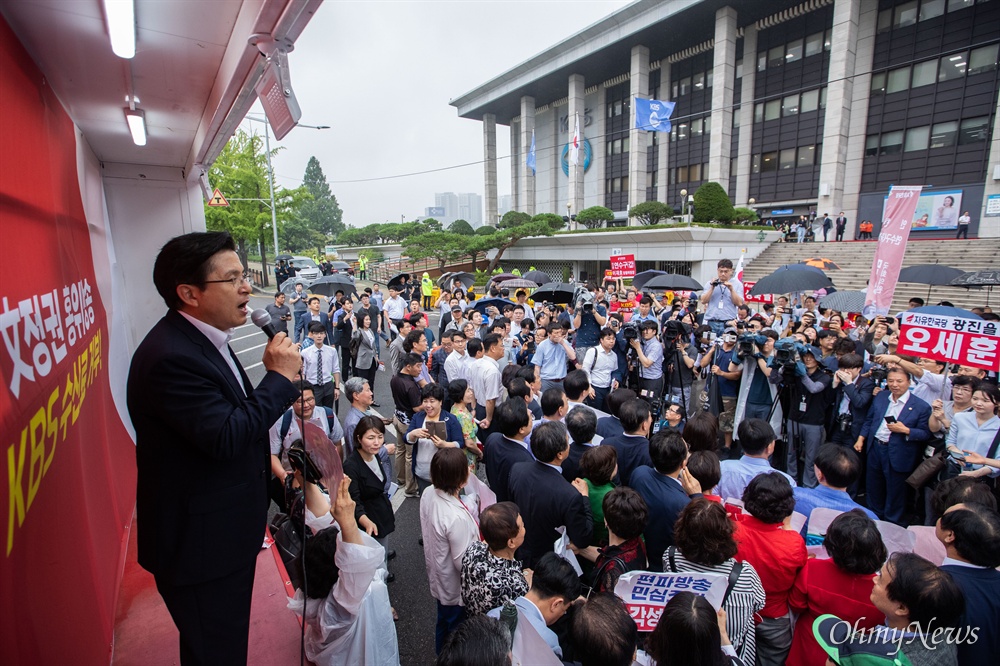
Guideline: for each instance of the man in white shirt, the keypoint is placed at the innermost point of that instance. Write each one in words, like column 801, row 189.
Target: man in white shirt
column 321, row 367
column 456, row 366
column 554, row 588
column 287, row 429
column 484, row 379
column 394, row 309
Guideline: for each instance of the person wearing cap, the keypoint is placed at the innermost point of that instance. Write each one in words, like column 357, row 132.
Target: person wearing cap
column 809, row 399
column 426, row 289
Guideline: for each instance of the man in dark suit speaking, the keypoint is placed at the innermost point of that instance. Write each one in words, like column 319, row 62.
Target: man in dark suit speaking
column 202, row 447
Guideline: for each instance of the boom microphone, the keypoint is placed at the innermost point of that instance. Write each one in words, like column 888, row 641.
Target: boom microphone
column 261, row 319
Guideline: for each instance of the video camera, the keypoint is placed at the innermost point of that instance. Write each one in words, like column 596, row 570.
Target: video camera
column 788, row 352
column 300, row 461
column 879, row 373
column 584, row 299
column 630, row 331
column 749, row 343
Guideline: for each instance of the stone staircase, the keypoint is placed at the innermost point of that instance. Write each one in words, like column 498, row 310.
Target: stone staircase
column 855, row 260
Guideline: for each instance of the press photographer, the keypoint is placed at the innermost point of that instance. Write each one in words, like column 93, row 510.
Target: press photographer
column 754, row 352
column 808, row 382
column 719, row 359
column 679, row 359
column 588, row 319
column 722, row 297
column 649, row 357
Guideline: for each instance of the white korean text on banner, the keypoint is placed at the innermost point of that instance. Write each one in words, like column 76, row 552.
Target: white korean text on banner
column 971, row 342
column 623, row 266
column 896, row 222
column 646, row 593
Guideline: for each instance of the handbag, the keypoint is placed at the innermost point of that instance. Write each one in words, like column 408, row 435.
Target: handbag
column 928, row 470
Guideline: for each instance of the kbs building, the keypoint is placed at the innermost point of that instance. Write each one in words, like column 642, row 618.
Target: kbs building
column 792, row 106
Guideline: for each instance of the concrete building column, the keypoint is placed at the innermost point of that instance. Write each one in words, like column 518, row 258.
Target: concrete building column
column 490, row 167
column 527, row 178
column 550, row 157
column 723, row 73
column 663, row 142
column 839, row 106
column 863, row 58
column 989, row 227
column 576, row 108
column 599, row 142
column 516, row 196
column 638, row 139
column 745, row 153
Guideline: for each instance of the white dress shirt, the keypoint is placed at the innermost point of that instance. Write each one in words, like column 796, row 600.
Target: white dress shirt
column 320, row 364
column 395, row 308
column 599, row 366
column 456, row 366
column 484, row 378
column 894, row 409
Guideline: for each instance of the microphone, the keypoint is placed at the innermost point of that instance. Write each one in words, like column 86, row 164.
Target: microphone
column 261, row 319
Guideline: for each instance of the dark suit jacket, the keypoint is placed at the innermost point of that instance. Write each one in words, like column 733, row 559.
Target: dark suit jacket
column 202, row 454
column 981, row 588
column 500, row 455
column 633, row 451
column 548, row 501
column 609, row 426
column 860, row 395
column 571, row 466
column 368, row 492
column 665, row 499
column 905, row 451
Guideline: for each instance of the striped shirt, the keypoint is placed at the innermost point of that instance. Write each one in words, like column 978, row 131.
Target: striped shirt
column 746, row 599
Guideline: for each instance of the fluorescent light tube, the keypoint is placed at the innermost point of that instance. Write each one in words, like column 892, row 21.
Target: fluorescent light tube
column 121, row 26
column 136, row 119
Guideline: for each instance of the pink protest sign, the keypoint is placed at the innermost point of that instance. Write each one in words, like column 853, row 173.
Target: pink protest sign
column 896, row 221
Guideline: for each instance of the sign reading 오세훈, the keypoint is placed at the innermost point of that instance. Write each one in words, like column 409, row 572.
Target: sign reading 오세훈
column 971, row 342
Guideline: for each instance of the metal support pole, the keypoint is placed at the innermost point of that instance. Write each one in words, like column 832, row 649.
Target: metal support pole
column 270, row 180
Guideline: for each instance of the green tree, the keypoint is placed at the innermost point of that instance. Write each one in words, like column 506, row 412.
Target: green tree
column 712, row 204
column 513, row 218
column 240, row 172
column 322, row 213
column 443, row 246
column 504, row 239
column 650, row 212
column 461, row 227
column 430, row 224
column 298, row 235
column 555, row 222
column 744, row 215
column 485, row 230
column 595, row 217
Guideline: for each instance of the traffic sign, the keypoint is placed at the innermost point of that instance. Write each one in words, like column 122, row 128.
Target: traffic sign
column 217, row 199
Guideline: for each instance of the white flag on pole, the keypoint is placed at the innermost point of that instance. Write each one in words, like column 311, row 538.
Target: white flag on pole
column 574, row 147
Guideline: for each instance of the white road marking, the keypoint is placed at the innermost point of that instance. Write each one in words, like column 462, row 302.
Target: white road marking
column 243, row 351
column 244, row 337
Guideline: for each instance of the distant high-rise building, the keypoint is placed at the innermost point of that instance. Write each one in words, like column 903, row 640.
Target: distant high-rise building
column 466, row 206
column 505, row 204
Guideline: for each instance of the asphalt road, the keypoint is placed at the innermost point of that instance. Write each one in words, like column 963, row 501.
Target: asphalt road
column 409, row 593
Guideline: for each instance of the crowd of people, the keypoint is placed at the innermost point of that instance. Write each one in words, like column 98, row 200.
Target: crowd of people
column 684, row 437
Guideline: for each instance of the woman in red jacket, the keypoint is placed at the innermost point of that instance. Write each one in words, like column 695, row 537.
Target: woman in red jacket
column 841, row 585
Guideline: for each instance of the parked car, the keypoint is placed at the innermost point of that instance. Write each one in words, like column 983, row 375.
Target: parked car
column 305, row 268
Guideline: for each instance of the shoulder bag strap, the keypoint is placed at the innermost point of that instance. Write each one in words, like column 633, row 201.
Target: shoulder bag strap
column 734, row 575
column 994, row 446
column 670, row 556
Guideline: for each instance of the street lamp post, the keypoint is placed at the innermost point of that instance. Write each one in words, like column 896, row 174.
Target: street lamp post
column 750, row 203
column 270, row 171
column 684, row 199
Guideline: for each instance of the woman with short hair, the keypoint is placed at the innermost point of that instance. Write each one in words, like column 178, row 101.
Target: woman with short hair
column 703, row 543
column 447, row 528
column 838, row 586
column 490, row 574
column 426, row 443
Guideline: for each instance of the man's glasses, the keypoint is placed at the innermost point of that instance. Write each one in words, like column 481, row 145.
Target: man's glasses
column 236, row 282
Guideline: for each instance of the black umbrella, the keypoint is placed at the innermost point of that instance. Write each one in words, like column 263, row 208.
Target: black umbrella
column 792, row 278
column 538, row 277
column 329, row 284
column 984, row 278
column 671, row 282
column 448, row 279
column 844, row 301
column 484, row 303
column 397, row 279
column 554, row 292
column 288, row 286
column 500, row 277
column 340, row 265
column 642, row 278
column 929, row 274
column 283, row 257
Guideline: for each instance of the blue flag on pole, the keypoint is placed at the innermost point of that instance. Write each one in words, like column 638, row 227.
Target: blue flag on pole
column 653, row 115
column 531, row 154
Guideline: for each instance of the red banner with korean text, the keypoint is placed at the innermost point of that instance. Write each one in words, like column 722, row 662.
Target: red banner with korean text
column 899, row 209
column 762, row 298
column 971, row 342
column 69, row 463
column 623, row 266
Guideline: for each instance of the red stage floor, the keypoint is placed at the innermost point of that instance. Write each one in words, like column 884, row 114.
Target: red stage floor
column 145, row 635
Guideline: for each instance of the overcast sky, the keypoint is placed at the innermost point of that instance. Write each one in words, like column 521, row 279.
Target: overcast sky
column 381, row 74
